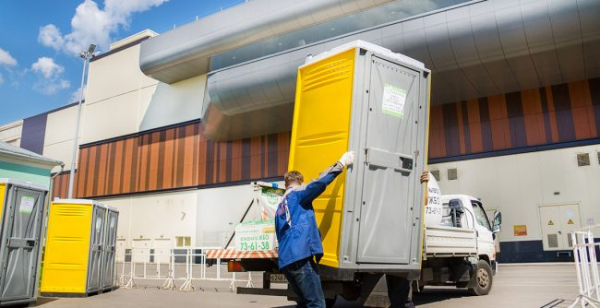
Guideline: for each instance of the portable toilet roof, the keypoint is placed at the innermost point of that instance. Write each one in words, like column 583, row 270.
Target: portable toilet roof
column 21, row 164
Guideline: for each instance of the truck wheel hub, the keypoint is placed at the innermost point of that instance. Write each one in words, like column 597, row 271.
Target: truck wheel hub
column 482, row 278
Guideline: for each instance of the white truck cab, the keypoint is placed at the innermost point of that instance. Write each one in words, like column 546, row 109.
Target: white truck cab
column 459, row 246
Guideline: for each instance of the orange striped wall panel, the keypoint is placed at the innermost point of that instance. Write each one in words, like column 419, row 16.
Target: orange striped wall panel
column 544, row 116
column 175, row 157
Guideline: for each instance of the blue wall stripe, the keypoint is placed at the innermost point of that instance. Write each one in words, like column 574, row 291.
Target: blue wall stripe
column 34, row 132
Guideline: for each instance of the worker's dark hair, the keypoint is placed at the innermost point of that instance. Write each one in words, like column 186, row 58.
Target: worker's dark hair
column 293, row 176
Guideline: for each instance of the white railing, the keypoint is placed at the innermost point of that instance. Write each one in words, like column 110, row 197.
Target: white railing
column 586, row 263
column 174, row 266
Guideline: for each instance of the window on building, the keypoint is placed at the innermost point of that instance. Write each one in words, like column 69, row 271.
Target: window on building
column 452, row 174
column 480, row 216
column 583, row 159
column 436, row 174
column 184, row 241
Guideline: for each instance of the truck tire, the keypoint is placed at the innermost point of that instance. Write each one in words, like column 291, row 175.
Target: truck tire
column 481, row 279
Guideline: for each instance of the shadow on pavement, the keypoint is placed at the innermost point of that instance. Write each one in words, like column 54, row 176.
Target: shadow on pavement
column 432, row 295
column 44, row 300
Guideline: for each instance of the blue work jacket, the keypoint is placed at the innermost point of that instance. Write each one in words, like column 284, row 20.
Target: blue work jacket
column 295, row 223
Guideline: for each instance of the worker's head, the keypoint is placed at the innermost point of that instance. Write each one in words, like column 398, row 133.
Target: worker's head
column 293, row 178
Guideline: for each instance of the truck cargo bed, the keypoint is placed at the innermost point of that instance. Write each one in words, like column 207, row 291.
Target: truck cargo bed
column 443, row 241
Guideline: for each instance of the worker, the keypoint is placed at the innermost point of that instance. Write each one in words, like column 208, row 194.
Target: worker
column 300, row 247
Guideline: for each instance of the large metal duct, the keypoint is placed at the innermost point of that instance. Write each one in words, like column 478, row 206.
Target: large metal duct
column 476, row 50
column 184, row 52
column 255, row 98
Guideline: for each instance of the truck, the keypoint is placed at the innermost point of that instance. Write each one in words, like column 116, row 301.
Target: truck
column 365, row 98
column 460, row 250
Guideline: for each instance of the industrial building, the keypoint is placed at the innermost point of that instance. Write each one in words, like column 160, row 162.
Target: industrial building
column 175, row 126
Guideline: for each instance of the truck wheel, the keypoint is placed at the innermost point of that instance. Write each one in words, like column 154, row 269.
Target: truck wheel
column 481, row 281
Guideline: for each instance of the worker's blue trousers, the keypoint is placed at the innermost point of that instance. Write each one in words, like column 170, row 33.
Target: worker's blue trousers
column 303, row 277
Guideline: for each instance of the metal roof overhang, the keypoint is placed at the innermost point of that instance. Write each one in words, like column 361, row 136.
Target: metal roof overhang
column 11, row 153
column 478, row 50
column 185, row 52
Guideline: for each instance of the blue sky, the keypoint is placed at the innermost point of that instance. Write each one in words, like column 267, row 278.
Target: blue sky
column 39, row 68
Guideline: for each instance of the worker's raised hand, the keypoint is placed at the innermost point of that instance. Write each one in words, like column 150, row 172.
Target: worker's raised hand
column 348, row 158
column 425, row 177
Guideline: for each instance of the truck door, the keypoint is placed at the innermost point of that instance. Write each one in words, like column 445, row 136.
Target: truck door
column 485, row 238
column 388, row 196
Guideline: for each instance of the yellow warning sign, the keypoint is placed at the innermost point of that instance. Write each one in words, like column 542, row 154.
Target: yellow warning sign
column 550, row 223
column 570, row 222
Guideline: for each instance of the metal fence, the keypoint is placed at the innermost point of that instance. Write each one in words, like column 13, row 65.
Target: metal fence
column 178, row 268
column 586, row 263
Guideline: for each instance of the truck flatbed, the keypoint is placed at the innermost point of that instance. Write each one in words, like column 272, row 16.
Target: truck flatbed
column 441, row 241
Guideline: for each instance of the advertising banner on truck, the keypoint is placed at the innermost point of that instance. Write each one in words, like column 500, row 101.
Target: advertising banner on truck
column 255, row 236
column 433, row 209
column 268, row 199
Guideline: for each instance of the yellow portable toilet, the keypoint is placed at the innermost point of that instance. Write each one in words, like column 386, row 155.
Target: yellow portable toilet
column 365, row 98
column 77, row 258
column 22, row 209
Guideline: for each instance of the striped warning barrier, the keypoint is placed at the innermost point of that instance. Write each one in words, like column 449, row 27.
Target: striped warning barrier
column 235, row 254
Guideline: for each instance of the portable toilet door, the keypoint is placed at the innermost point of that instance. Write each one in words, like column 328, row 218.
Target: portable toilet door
column 22, row 220
column 110, row 247
column 94, row 279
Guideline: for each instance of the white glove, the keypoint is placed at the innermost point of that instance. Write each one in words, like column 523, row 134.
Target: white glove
column 348, row 158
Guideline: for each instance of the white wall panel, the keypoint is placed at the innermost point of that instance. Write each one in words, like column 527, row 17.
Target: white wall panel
column 115, row 75
column 519, row 184
column 11, row 133
column 220, row 210
column 156, row 216
column 175, row 103
column 111, row 118
column 60, row 131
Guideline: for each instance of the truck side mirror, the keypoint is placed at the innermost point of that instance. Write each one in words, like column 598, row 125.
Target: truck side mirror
column 497, row 222
column 455, row 204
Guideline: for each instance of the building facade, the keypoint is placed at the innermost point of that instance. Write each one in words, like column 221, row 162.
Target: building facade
column 175, row 126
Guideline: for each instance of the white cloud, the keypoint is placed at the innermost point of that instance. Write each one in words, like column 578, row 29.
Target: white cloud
column 6, row 59
column 49, row 80
column 50, row 36
column 75, row 96
column 91, row 24
column 47, row 67
column 49, row 87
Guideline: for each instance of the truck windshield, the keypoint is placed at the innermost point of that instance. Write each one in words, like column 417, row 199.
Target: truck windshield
column 480, row 215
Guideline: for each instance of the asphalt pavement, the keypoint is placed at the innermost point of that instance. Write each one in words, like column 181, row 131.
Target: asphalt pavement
column 523, row 285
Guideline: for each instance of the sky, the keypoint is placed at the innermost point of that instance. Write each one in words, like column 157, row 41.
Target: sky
column 40, row 69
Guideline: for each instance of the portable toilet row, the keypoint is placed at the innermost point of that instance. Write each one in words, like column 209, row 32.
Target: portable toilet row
column 80, row 248
column 21, row 224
